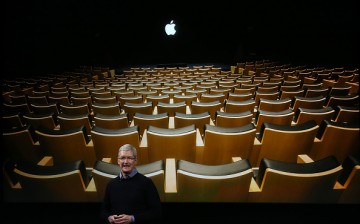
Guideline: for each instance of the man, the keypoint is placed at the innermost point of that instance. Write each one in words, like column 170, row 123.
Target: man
column 131, row 197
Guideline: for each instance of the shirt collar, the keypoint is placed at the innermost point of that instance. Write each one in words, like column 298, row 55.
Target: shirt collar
column 132, row 174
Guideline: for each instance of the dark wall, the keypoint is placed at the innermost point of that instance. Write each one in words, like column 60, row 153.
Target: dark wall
column 45, row 36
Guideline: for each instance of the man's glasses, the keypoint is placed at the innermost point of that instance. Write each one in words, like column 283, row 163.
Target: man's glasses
column 130, row 158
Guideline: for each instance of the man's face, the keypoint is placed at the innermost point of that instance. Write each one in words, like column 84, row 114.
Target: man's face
column 126, row 161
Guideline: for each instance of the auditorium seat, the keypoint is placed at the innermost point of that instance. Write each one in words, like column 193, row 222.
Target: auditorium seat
column 171, row 108
column 306, row 86
column 45, row 109
column 222, row 144
column 103, row 172
column 221, row 90
column 339, row 90
column 349, row 180
column 201, row 107
column 278, row 181
column 155, row 99
column 19, row 98
column 137, row 89
column 205, row 87
column 143, row 121
column 160, row 88
column 231, row 120
column 14, row 108
column 48, row 120
column 291, row 88
column 185, row 98
column 213, row 183
column 207, row 97
column 316, row 91
column 124, row 92
column 170, row 92
column 178, row 143
column 12, row 120
column 130, row 99
column 101, row 94
column 266, row 95
column 343, row 78
column 190, row 85
column 348, row 100
column 11, row 188
column 132, row 108
column 291, row 93
column 104, row 99
column 252, row 86
column 200, row 119
column 39, row 100
column 198, row 92
column 107, row 141
column 58, row 89
column 116, row 87
column 239, row 97
column 296, row 82
column 68, row 122
column 111, row 121
column 66, row 145
column 75, row 109
column 153, row 84
column 346, row 114
column 303, row 114
column 316, row 102
column 274, row 105
column 62, row 99
column 239, row 106
column 67, row 182
column 79, row 94
column 21, row 144
column 317, row 77
column 81, row 100
column 336, row 138
column 106, row 109
column 243, row 90
column 285, row 142
column 267, row 89
column 100, row 89
column 284, row 117
column 147, row 93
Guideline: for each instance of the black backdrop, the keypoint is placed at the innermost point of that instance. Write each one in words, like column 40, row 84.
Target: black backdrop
column 49, row 36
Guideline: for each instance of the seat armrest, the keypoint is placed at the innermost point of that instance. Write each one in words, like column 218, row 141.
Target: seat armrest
column 106, row 160
column 199, row 140
column 46, row 161
column 143, row 142
column 170, row 176
column 303, row 158
column 235, row 159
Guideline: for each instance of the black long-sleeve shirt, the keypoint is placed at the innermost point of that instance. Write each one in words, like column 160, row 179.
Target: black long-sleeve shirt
column 135, row 196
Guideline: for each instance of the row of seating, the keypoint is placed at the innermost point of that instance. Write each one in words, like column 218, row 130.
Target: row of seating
column 140, row 77
column 239, row 88
column 304, row 181
column 175, row 115
column 185, row 104
column 217, row 146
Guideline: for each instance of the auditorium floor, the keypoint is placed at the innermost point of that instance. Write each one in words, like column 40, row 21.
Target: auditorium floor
column 186, row 213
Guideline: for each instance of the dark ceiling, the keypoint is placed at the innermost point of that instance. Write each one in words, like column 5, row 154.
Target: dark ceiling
column 44, row 36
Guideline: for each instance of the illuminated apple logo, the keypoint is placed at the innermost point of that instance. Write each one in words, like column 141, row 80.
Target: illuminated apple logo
column 170, row 28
